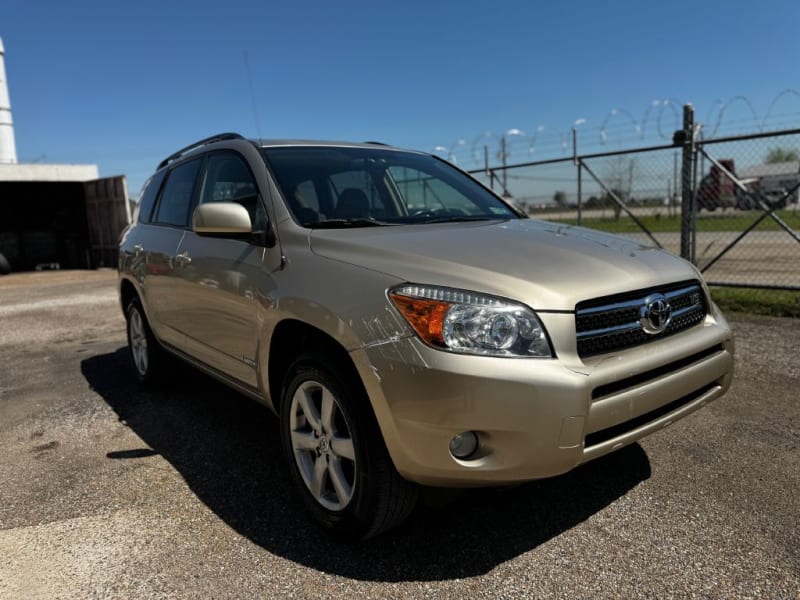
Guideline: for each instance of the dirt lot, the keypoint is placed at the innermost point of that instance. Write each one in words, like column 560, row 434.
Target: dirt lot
column 110, row 491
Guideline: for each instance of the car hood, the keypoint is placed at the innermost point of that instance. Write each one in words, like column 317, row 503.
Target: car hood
column 545, row 265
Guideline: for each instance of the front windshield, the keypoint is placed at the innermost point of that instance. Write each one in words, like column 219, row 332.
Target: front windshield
column 327, row 186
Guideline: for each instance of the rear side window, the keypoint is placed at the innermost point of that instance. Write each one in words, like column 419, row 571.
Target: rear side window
column 176, row 200
column 147, row 198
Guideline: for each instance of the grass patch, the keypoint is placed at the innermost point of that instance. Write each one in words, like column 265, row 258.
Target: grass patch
column 773, row 303
column 730, row 221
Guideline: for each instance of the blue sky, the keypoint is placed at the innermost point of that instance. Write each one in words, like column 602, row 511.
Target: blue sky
column 122, row 84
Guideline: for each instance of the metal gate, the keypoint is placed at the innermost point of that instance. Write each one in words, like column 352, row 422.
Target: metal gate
column 744, row 222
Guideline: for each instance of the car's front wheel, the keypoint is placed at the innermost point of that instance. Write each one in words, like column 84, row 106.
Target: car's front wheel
column 336, row 454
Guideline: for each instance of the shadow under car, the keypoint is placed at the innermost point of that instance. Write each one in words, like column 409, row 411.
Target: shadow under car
column 227, row 449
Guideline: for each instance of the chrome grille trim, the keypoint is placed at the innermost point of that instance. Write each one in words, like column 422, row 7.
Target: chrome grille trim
column 632, row 326
column 613, row 323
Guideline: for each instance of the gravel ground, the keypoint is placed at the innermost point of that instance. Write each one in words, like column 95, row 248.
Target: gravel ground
column 110, row 491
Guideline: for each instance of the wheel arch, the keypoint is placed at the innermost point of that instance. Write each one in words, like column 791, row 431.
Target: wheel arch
column 389, row 498
column 127, row 292
column 290, row 339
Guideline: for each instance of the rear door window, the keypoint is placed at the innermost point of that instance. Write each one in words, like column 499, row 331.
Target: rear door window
column 147, row 198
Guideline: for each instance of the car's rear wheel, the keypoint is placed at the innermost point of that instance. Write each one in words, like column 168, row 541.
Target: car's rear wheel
column 337, row 456
column 145, row 352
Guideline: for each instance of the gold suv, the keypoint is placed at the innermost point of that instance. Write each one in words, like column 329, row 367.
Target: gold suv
column 406, row 324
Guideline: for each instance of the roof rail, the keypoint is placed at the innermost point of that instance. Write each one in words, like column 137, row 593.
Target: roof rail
column 209, row 140
column 376, row 143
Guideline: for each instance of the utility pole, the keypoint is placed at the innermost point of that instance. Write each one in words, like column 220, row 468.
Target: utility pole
column 503, row 157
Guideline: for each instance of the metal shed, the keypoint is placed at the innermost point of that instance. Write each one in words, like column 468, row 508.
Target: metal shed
column 60, row 216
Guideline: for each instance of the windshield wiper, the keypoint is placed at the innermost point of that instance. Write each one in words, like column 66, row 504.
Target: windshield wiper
column 342, row 223
column 462, row 218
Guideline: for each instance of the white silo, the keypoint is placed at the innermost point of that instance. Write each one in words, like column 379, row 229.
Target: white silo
column 8, row 149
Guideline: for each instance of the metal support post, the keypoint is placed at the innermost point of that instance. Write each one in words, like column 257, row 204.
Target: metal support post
column 687, row 176
column 504, row 157
column 577, row 162
column 673, row 200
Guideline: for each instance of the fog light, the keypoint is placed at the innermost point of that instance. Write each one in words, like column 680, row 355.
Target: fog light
column 464, row 444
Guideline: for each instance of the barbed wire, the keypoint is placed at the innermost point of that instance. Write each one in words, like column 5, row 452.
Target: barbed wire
column 620, row 127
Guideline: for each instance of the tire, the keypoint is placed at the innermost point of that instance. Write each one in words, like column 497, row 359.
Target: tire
column 146, row 354
column 5, row 268
column 339, row 462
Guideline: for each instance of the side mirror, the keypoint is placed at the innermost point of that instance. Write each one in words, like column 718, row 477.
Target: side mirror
column 225, row 219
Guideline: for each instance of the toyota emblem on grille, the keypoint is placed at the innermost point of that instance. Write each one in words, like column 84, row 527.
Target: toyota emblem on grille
column 655, row 314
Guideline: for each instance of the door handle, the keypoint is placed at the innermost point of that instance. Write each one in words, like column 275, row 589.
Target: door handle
column 138, row 249
column 183, row 258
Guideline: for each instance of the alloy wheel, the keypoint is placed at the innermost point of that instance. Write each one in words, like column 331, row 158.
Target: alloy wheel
column 138, row 342
column 322, row 445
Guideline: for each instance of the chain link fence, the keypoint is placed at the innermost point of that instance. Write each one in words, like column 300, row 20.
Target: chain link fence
column 728, row 204
column 747, row 218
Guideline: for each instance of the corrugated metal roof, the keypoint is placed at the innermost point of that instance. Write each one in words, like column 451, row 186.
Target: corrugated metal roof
column 45, row 172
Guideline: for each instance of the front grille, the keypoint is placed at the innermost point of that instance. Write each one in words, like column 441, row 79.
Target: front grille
column 630, row 382
column 614, row 322
column 598, row 437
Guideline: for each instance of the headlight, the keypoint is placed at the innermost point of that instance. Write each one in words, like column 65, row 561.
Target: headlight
column 471, row 323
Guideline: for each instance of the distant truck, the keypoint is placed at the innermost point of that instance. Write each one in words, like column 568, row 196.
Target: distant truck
column 717, row 190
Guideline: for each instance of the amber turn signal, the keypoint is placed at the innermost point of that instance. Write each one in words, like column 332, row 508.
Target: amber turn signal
column 425, row 316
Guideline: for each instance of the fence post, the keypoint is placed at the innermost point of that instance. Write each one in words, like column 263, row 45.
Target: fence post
column 505, row 166
column 687, row 191
column 489, row 172
column 577, row 162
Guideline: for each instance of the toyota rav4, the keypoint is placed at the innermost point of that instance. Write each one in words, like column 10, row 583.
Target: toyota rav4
column 407, row 325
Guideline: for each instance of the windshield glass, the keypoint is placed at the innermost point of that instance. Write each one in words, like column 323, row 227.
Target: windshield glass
column 345, row 187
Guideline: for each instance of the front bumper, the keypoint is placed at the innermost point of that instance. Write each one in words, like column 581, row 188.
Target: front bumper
column 536, row 417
